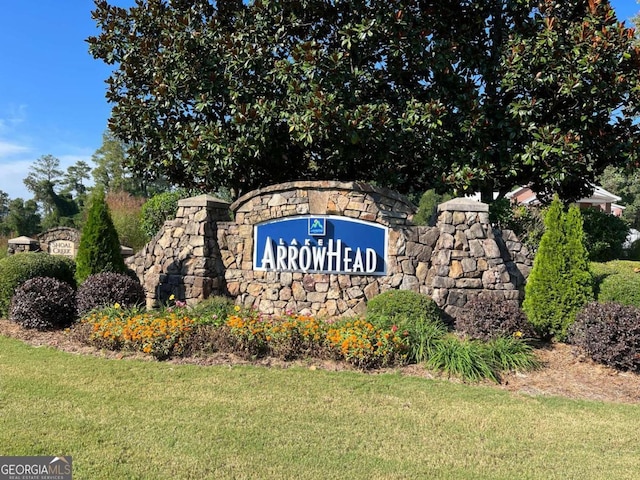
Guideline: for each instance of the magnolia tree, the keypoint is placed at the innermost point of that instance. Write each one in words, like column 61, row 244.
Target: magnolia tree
column 409, row 94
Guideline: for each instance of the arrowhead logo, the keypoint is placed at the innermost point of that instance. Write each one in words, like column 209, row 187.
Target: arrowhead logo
column 317, row 226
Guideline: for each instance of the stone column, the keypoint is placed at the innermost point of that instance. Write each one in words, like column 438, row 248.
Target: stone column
column 184, row 259
column 467, row 260
column 22, row 244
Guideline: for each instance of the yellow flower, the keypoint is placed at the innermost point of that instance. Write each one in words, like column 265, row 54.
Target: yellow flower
column 518, row 334
column 172, row 297
column 116, row 305
column 237, row 308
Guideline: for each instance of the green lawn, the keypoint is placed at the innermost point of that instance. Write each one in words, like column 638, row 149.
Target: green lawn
column 128, row 419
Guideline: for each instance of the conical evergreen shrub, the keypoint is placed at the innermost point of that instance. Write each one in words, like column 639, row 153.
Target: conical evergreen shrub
column 99, row 249
column 578, row 290
column 560, row 282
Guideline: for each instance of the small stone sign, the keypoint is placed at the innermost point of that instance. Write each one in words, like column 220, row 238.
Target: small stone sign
column 62, row 247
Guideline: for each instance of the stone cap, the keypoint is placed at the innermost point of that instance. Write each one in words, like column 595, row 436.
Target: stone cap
column 23, row 241
column 206, row 200
column 461, row 204
column 322, row 185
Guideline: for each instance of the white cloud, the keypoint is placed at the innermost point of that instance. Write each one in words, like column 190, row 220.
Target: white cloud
column 11, row 176
column 9, row 149
column 12, row 116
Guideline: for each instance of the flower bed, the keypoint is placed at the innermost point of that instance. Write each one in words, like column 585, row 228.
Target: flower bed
column 180, row 330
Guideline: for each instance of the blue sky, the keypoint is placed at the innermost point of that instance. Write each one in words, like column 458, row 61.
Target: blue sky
column 52, row 91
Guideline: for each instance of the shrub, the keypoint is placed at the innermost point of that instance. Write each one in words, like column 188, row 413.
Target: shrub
column 207, row 339
column 511, row 354
column 474, row 360
column 633, row 253
column 99, row 249
column 247, row 329
column 620, row 288
column 295, row 336
column 126, row 214
column 423, row 335
column 428, row 207
column 486, row 319
column 410, row 312
column 16, row 269
column 43, row 303
column 212, row 311
column 393, row 306
column 604, row 234
column 158, row 209
column 107, row 289
column 609, row 333
column 163, row 334
column 524, row 220
column 4, row 245
column 560, row 283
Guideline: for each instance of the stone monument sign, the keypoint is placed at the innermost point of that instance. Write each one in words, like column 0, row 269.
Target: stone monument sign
column 327, row 248
column 60, row 241
column 63, row 247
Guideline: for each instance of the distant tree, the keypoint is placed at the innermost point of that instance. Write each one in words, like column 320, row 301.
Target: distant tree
column 45, row 177
column 23, row 218
column 113, row 170
column 74, row 181
column 4, row 212
column 99, row 249
column 626, row 184
column 477, row 95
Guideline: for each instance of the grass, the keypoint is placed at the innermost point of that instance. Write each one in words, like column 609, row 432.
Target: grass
column 148, row 420
column 614, row 267
column 624, row 268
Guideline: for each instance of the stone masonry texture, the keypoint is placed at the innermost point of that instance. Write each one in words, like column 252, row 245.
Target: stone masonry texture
column 202, row 252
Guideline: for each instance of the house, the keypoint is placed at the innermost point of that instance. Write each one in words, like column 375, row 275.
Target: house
column 600, row 198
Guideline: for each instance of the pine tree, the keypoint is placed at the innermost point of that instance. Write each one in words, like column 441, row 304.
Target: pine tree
column 560, row 282
column 99, row 249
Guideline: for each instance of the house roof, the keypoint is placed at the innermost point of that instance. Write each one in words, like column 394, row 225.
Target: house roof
column 599, row 196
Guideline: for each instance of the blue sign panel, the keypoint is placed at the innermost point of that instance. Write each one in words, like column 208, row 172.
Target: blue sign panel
column 321, row 244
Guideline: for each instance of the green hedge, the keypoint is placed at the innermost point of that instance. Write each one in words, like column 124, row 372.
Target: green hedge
column 393, row 306
column 16, row 269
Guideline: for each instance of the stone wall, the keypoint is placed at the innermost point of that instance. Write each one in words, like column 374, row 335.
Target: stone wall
column 183, row 259
column 63, row 241
column 409, row 248
column 201, row 252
